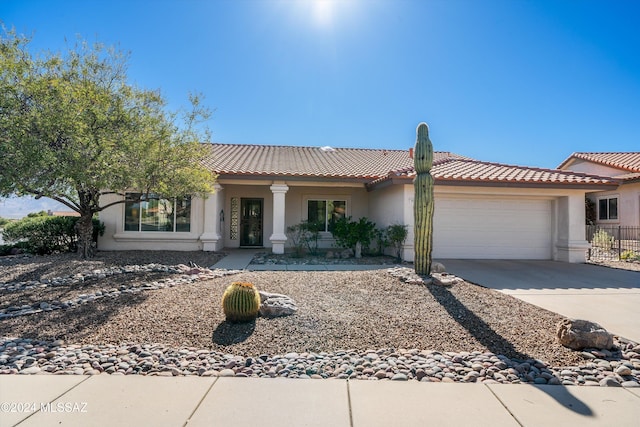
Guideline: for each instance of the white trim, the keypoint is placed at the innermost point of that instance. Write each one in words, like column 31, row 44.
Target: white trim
column 156, row 236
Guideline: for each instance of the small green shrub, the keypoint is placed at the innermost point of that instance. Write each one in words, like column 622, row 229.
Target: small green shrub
column 349, row 234
column 304, row 236
column 629, row 255
column 241, row 302
column 603, row 240
column 47, row 234
column 397, row 234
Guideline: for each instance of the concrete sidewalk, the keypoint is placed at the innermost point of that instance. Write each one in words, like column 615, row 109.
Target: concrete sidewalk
column 608, row 296
column 110, row 400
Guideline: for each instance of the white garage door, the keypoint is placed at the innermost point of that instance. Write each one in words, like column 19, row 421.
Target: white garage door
column 492, row 228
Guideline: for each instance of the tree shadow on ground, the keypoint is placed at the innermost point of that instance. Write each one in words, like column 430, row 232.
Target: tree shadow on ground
column 497, row 344
column 72, row 324
column 228, row 333
column 33, row 274
column 477, row 327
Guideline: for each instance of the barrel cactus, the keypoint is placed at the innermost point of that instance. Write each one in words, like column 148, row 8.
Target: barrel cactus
column 423, row 201
column 241, row 302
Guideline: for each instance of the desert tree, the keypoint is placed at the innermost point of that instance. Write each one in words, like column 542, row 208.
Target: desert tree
column 73, row 129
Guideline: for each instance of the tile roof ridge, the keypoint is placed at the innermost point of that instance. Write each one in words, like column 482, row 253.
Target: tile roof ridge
column 537, row 169
column 398, row 150
column 606, row 152
column 313, row 147
column 441, row 161
column 447, row 160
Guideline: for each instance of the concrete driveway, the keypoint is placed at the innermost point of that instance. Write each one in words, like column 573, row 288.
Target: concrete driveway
column 608, row 296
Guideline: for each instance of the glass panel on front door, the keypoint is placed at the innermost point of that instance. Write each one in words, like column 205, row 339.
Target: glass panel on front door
column 251, row 222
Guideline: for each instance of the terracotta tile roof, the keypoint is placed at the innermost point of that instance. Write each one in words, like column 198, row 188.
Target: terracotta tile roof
column 468, row 170
column 289, row 161
column 626, row 161
column 633, row 176
column 375, row 166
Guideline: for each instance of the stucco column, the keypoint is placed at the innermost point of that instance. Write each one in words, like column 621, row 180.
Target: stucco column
column 571, row 245
column 278, row 238
column 212, row 237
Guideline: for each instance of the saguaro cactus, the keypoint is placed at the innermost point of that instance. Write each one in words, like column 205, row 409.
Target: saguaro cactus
column 423, row 201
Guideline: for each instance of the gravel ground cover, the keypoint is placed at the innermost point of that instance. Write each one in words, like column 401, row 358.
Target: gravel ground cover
column 349, row 324
column 622, row 265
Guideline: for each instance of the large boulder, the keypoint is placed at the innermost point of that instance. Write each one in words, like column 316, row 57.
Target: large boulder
column 276, row 305
column 578, row 334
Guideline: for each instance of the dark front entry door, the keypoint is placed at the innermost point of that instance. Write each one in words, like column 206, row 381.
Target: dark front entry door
column 251, row 222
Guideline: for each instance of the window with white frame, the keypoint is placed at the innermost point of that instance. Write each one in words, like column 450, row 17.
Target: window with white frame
column 153, row 213
column 607, row 208
column 326, row 212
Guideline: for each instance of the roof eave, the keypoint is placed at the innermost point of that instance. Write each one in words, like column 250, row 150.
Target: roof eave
column 523, row 184
column 292, row 177
column 567, row 162
column 505, row 184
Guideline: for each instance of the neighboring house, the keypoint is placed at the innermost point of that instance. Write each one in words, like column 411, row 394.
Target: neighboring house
column 617, row 206
column 482, row 210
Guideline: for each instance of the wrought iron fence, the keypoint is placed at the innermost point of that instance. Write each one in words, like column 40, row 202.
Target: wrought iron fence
column 613, row 242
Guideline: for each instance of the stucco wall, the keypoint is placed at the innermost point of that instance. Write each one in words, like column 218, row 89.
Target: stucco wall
column 584, row 166
column 628, row 204
column 385, row 206
column 296, row 205
column 628, row 193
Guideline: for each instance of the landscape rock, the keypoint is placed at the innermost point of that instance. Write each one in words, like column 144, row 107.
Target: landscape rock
column 578, row 334
column 444, row 279
column 437, row 267
column 609, row 382
column 276, row 305
column 623, row 370
column 21, row 356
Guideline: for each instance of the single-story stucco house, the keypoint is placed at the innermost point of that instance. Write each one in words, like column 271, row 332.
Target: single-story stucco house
column 617, row 206
column 483, row 210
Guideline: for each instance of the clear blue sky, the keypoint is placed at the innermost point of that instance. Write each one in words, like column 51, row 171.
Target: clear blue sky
column 510, row 81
